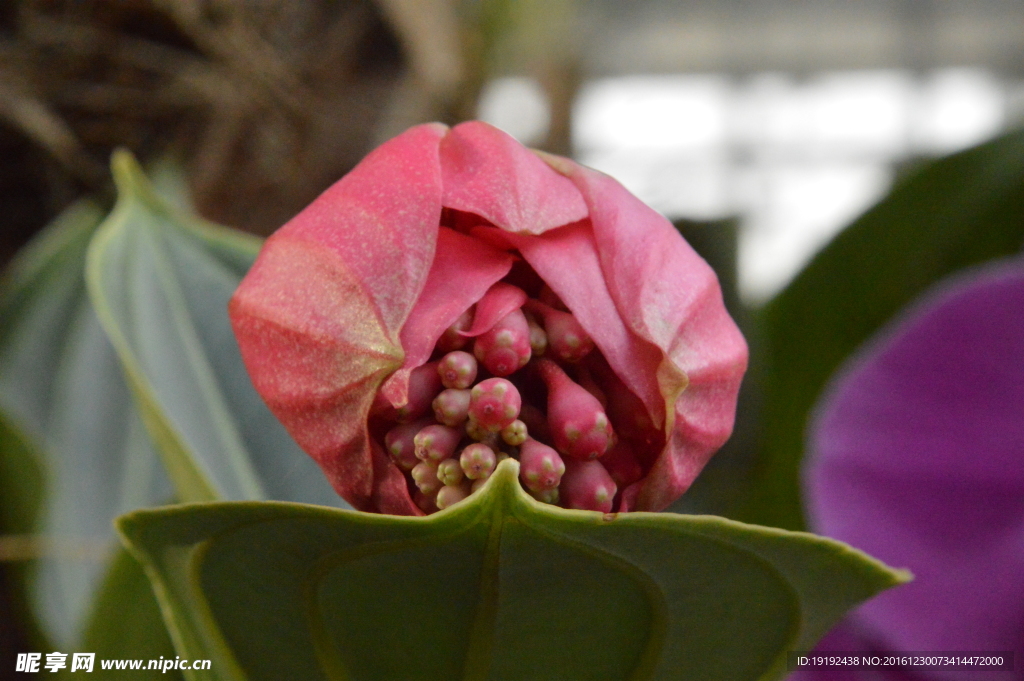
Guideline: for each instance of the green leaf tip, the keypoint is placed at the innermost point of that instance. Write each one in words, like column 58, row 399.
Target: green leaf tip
column 498, row 586
column 160, row 279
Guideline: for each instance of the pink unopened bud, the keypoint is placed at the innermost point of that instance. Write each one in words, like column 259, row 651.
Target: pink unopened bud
column 540, row 467
column 449, row 472
column 451, row 407
column 538, row 338
column 514, row 434
column 479, row 433
column 477, row 461
column 436, row 443
column 586, row 485
column 424, row 384
column 400, row 446
column 457, row 370
column 477, row 484
column 449, row 495
column 426, row 502
column 622, row 464
column 425, row 477
column 494, row 403
column 505, row 347
column 587, row 382
column 452, row 339
column 567, row 340
column 579, row 426
column 547, row 496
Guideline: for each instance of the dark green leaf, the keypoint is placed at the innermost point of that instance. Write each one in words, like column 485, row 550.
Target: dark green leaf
column 125, row 622
column 497, row 587
column 953, row 213
column 160, row 281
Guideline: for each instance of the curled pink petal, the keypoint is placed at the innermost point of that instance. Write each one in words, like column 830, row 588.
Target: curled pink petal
column 318, row 316
column 489, row 173
column 668, row 296
column 499, row 300
column 462, row 272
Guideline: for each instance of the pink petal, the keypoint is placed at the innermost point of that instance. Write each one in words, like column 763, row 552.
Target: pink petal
column 499, row 300
column 382, row 220
column 489, row 173
column 463, row 270
column 669, row 296
column 318, row 316
column 390, row 491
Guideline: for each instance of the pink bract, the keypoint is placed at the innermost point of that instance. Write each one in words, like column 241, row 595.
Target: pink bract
column 353, row 293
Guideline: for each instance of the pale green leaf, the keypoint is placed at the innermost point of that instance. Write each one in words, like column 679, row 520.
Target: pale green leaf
column 80, row 438
column 160, row 281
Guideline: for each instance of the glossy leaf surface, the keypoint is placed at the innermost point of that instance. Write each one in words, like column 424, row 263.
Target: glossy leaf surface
column 160, row 281
column 952, row 213
column 496, row 587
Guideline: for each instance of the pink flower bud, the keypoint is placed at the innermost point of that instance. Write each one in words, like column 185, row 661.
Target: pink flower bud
column 477, row 484
column 424, row 384
column 540, row 467
column 587, row 486
column 567, row 340
column 579, row 426
column 449, row 472
column 479, row 433
column 505, row 347
column 451, row 407
column 547, row 496
column 425, row 502
column 452, row 338
column 494, row 403
column 538, row 338
column 449, row 495
column 515, row 433
column 399, row 443
column 477, row 461
column 436, row 443
column 457, row 370
column 424, row 474
column 439, row 229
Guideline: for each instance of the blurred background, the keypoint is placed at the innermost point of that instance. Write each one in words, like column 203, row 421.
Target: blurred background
column 762, row 128
column 791, row 115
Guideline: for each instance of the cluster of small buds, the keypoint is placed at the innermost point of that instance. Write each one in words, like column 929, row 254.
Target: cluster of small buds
column 518, row 377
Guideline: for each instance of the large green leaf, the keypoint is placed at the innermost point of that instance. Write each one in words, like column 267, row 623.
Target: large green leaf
column 497, row 587
column 160, row 281
column 71, row 430
column 950, row 214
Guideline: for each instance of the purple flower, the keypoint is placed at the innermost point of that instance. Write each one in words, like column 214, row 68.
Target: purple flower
column 917, row 457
